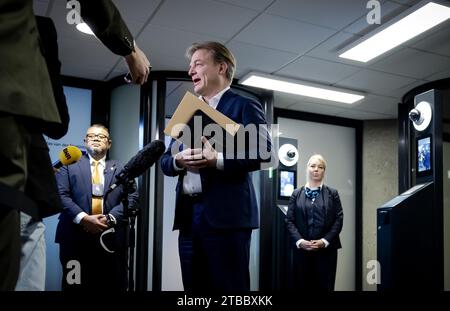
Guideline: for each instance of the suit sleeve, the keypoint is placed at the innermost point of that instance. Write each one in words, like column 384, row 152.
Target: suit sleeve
column 336, row 227
column 70, row 208
column 49, row 47
column 290, row 220
column 167, row 159
column 256, row 151
column 105, row 20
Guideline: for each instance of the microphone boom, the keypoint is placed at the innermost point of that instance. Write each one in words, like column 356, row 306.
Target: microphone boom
column 142, row 161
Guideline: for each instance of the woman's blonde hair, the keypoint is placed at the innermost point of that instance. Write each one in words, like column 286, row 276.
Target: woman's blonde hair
column 319, row 158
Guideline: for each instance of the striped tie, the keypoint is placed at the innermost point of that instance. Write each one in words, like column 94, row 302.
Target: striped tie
column 96, row 201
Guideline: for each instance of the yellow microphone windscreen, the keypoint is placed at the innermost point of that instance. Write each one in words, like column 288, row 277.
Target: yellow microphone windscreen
column 69, row 155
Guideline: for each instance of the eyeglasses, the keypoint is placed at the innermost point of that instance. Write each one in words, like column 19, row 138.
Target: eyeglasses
column 99, row 136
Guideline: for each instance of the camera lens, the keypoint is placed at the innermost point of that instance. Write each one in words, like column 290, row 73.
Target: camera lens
column 291, row 154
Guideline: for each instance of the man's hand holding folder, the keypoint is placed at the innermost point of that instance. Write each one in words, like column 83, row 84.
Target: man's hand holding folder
column 194, row 119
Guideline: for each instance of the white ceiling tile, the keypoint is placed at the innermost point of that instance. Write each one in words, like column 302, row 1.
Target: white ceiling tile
column 86, row 53
column 389, row 10
column 399, row 92
column 406, row 2
column 332, row 14
column 251, row 4
column 440, row 75
column 268, row 60
column 374, row 81
column 140, row 11
column 166, row 47
column 379, row 104
column 269, row 42
column 316, row 108
column 329, row 49
column 59, row 13
column 293, row 98
column 437, row 41
column 313, row 69
column 203, row 16
column 71, row 68
column 412, row 63
column 283, row 34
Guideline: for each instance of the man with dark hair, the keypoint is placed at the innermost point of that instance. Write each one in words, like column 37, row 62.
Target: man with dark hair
column 89, row 210
column 216, row 208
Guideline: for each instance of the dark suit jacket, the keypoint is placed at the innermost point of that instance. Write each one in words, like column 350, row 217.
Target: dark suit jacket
column 296, row 220
column 25, row 83
column 75, row 188
column 41, row 177
column 48, row 40
column 26, row 89
column 229, row 196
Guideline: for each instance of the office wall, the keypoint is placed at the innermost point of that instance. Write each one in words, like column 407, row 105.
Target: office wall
column 380, row 182
column 337, row 144
column 124, row 124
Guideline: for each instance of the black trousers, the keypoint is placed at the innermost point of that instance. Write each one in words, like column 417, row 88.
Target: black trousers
column 99, row 270
column 213, row 260
column 315, row 270
column 15, row 145
column 9, row 248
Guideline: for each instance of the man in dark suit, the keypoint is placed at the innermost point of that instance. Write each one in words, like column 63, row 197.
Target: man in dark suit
column 88, row 211
column 27, row 108
column 216, row 206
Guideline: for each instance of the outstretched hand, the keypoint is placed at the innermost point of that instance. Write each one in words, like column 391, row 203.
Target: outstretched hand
column 139, row 65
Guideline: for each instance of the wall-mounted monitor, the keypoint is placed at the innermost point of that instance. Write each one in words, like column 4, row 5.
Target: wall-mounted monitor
column 287, row 182
column 424, row 156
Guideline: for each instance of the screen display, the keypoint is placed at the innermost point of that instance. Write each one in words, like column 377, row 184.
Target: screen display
column 424, row 154
column 287, row 183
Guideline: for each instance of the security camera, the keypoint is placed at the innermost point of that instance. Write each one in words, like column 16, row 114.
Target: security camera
column 421, row 115
column 288, row 155
column 291, row 154
column 414, row 115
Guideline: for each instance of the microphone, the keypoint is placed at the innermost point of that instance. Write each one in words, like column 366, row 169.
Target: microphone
column 67, row 156
column 138, row 164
